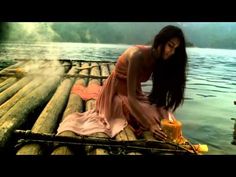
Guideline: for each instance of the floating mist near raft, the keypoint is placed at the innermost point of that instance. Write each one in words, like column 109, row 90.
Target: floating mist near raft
column 173, row 130
column 18, row 72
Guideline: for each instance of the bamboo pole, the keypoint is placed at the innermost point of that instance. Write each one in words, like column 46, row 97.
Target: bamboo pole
column 8, row 93
column 80, row 141
column 20, row 63
column 30, row 68
column 90, row 104
column 2, row 79
column 127, row 135
column 95, row 61
column 94, row 71
column 14, row 73
column 18, row 114
column 7, row 83
column 67, row 65
column 111, row 67
column 26, row 64
column 6, row 106
column 149, row 137
column 28, row 88
column 75, row 104
column 47, row 121
column 33, row 67
column 104, row 71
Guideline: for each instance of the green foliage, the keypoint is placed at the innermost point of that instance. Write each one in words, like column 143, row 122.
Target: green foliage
column 212, row 35
column 4, row 29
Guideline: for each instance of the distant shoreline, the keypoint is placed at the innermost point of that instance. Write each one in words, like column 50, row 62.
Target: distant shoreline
column 188, row 44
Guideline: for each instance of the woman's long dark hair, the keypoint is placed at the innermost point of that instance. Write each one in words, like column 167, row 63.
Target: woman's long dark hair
column 169, row 76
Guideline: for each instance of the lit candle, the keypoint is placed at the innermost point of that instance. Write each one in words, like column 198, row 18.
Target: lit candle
column 172, row 128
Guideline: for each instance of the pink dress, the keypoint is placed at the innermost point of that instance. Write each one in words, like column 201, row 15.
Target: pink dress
column 112, row 112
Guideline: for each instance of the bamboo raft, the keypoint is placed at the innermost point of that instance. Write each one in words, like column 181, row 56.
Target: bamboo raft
column 36, row 96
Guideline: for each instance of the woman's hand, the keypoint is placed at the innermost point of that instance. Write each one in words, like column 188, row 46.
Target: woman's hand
column 158, row 132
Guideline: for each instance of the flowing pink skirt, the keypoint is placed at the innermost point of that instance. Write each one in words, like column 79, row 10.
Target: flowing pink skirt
column 111, row 114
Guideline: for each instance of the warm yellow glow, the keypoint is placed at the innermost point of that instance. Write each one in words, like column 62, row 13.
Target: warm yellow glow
column 202, row 148
column 170, row 118
column 30, row 27
column 39, row 31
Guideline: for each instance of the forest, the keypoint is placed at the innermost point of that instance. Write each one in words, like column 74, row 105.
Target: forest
column 198, row 34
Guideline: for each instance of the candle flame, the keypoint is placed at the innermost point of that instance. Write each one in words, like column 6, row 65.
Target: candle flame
column 170, row 118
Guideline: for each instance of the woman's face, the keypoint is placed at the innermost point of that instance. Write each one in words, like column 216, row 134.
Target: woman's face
column 170, row 47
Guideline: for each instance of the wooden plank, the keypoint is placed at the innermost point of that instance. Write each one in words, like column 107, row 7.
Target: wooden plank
column 18, row 114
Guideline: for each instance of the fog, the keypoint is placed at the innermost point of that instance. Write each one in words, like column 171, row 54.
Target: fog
column 200, row 34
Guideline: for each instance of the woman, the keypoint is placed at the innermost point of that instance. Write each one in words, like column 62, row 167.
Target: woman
column 120, row 101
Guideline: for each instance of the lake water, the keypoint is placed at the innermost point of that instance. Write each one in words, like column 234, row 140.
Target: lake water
column 210, row 92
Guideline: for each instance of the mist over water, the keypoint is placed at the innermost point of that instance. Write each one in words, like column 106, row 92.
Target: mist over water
column 53, row 50
column 209, row 96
